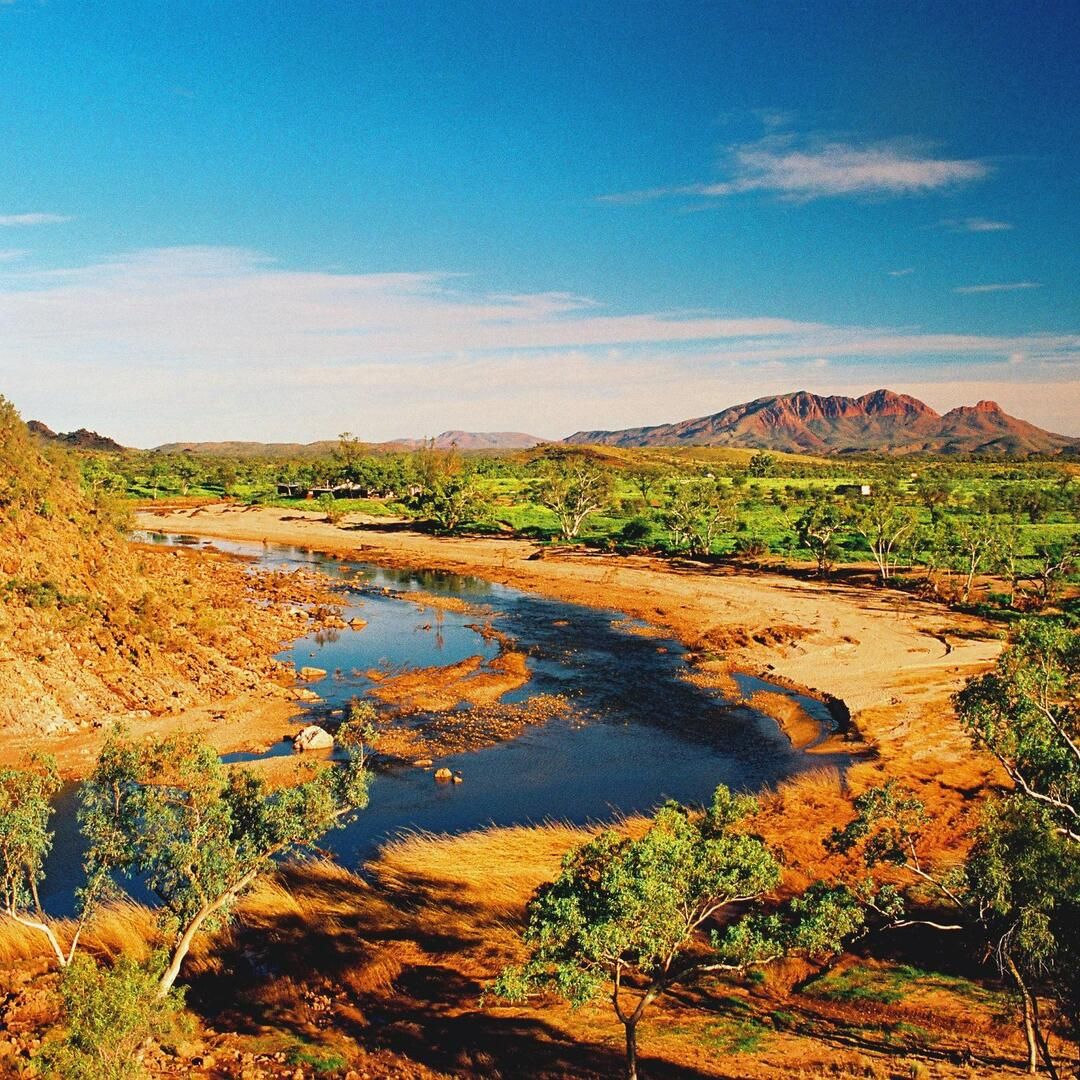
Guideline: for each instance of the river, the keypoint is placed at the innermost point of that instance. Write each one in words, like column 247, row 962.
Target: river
column 636, row 732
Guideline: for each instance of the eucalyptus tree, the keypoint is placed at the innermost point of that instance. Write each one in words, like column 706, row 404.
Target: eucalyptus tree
column 26, row 839
column 698, row 512
column 1055, row 561
column 573, row 489
column 450, row 501
column 632, row 917
column 887, row 527
column 970, row 543
column 818, row 529
column 199, row 833
column 644, row 477
column 1019, row 886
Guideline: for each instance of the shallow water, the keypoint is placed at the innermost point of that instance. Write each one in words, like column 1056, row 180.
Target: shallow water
column 638, row 732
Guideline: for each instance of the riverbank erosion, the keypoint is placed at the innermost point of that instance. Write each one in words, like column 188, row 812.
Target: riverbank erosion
column 889, row 662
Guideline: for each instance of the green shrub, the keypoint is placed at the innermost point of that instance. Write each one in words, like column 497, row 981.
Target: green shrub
column 109, row 1015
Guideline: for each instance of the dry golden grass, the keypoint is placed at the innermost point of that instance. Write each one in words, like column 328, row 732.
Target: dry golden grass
column 122, row 928
column 493, row 870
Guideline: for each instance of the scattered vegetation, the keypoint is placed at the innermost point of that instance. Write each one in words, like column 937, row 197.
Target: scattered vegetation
column 945, row 527
column 195, row 833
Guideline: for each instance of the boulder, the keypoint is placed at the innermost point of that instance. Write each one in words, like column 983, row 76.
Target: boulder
column 312, row 674
column 443, row 775
column 313, row 737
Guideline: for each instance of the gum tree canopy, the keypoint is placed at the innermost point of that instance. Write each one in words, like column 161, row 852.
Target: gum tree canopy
column 633, row 916
column 198, row 832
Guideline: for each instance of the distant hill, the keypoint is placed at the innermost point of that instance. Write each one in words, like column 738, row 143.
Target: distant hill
column 881, row 421
column 475, row 440
column 463, row 440
column 77, row 440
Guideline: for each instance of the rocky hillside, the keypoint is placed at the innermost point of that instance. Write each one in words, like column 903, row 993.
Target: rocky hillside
column 93, row 627
column 880, row 421
column 76, row 440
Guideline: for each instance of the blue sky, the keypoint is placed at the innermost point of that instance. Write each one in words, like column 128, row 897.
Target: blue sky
column 280, row 221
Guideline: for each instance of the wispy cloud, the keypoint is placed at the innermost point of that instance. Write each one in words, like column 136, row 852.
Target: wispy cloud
column 1003, row 286
column 218, row 342
column 11, row 254
column 16, row 220
column 976, row 225
column 903, row 272
column 805, row 169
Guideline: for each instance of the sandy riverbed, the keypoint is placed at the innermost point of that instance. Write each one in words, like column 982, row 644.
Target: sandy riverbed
column 893, row 660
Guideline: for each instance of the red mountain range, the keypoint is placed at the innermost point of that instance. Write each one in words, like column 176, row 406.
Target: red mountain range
column 881, row 421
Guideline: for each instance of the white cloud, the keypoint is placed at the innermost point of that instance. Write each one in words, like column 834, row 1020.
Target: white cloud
column 16, row 220
column 1004, row 286
column 812, row 169
column 190, row 343
column 902, row 273
column 11, row 254
column 976, row 225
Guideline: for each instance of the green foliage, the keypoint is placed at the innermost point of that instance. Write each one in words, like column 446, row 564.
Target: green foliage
column 25, row 837
column 448, row 502
column 637, row 903
column 328, row 504
column 1026, row 714
column 644, row 906
column 1020, row 885
column 887, row 823
column 886, row 526
column 1024, row 867
column 198, row 832
column 969, row 545
column 317, row 1059
column 109, row 1015
column 697, row 512
column 573, row 489
column 762, row 464
column 818, row 529
column 637, row 530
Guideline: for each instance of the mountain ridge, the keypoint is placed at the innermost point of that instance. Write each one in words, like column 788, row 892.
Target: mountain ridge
column 461, row 440
column 880, row 421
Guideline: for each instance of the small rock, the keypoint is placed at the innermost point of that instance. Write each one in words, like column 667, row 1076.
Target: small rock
column 313, row 737
column 423, row 763
column 312, row 674
column 443, row 775
column 358, row 624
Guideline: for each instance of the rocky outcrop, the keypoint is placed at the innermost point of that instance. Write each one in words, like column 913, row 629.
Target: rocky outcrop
column 313, row 737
